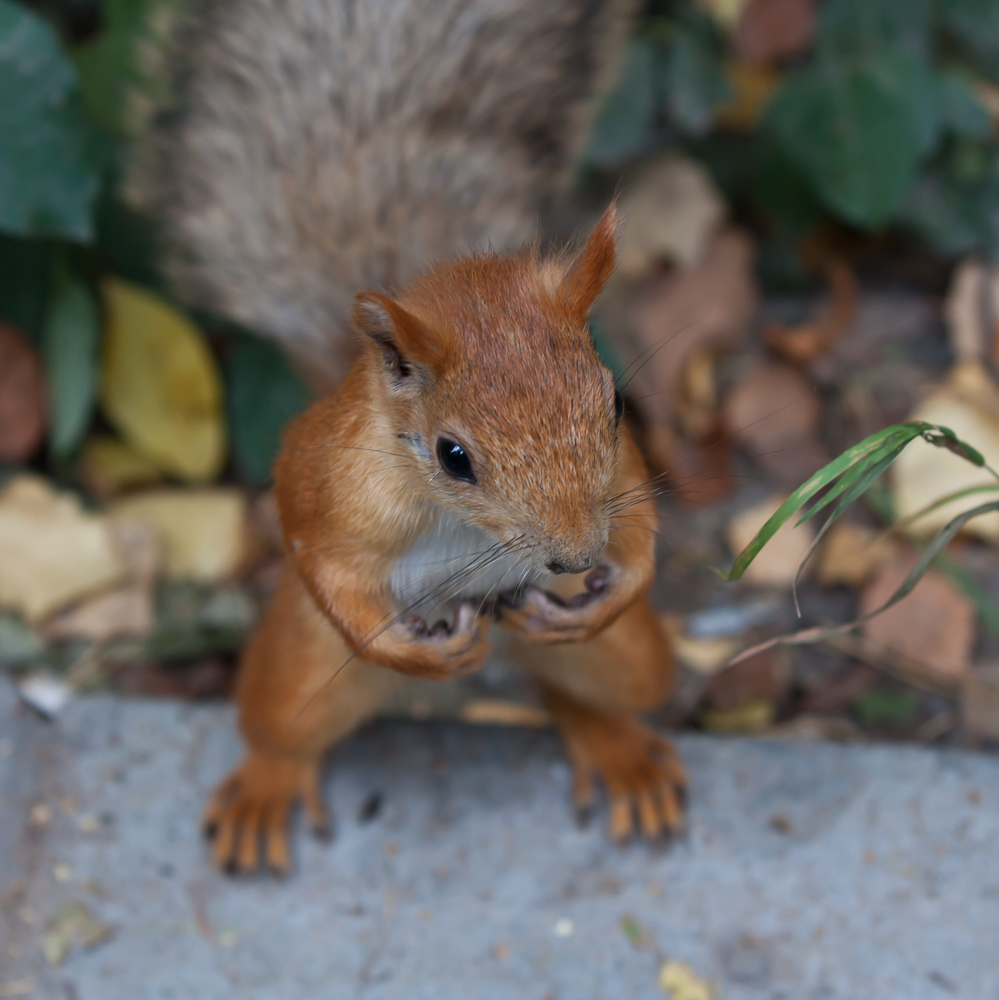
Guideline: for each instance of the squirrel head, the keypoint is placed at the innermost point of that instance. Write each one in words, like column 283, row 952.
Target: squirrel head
column 489, row 378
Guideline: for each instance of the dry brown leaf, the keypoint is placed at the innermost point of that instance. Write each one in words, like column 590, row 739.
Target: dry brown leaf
column 972, row 310
column 752, row 87
column 809, row 341
column 109, row 467
column 760, row 678
column 934, row 627
column 751, row 717
column 778, row 561
column 52, row 553
column 73, row 926
column 22, row 397
column 967, row 403
column 673, row 210
column 980, row 703
column 770, row 408
column 501, row 712
column 681, row 983
column 204, row 533
column 770, row 30
column 707, row 308
column 124, row 611
column 850, row 554
column 703, row 656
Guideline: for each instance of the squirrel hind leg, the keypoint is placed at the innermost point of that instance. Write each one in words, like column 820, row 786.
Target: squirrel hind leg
column 248, row 815
column 595, row 691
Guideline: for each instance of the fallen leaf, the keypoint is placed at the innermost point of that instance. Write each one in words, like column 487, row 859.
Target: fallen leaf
column 752, row 87
column 752, row 717
column 779, row 559
column 971, row 310
column 850, row 554
column 771, row 30
column 772, row 407
column 204, row 533
column 673, row 211
column 500, row 712
column 934, row 627
column 967, row 403
column 707, row 308
column 161, row 387
column 109, row 467
column 761, row 678
column 885, row 706
column 22, row 397
column 681, row 982
column 52, row 553
column 838, row 692
column 702, row 655
column 73, row 926
column 725, row 12
column 124, row 611
column 810, row 341
column 980, row 703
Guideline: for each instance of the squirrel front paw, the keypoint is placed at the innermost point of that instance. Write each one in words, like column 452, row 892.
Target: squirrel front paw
column 249, row 813
column 441, row 651
column 543, row 617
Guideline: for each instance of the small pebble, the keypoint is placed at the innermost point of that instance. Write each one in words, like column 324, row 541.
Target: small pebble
column 63, row 872
column 564, row 927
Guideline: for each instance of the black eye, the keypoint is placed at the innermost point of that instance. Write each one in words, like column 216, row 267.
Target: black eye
column 454, row 460
column 618, row 406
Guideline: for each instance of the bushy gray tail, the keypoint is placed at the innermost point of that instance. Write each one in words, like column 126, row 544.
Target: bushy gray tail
column 308, row 149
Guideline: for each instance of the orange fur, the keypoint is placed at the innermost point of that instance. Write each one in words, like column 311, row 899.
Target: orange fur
column 491, row 352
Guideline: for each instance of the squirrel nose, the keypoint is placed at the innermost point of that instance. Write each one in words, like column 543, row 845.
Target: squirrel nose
column 578, row 566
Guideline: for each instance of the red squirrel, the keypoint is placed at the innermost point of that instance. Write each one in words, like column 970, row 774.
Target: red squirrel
column 472, row 464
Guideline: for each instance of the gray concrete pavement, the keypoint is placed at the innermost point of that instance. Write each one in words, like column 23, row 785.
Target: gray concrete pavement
column 809, row 871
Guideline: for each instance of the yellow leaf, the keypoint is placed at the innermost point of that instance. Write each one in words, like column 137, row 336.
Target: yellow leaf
column 752, row 87
column 161, row 388
column 681, row 983
column 204, row 533
column 52, row 553
column 109, row 467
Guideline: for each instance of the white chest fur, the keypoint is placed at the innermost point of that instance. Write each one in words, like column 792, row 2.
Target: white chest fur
column 453, row 561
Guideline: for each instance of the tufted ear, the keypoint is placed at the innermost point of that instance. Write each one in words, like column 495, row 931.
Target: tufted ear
column 592, row 267
column 407, row 345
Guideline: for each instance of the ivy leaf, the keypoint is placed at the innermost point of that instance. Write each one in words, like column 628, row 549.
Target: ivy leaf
column 264, row 394
column 70, row 346
column 50, row 155
column 693, row 75
column 108, row 66
column 867, row 27
column 622, row 126
column 975, row 24
column 854, row 128
column 25, row 277
column 960, row 111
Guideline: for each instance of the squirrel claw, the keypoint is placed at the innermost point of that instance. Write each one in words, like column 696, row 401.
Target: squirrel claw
column 248, row 816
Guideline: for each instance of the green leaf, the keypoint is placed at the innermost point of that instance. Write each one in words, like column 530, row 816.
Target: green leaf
column 622, row 126
column 25, row 278
column 851, row 27
column 961, row 112
column 264, row 394
column 70, row 346
column 50, row 155
column 975, row 24
column 881, row 705
column 858, row 128
column 108, row 67
column 693, row 74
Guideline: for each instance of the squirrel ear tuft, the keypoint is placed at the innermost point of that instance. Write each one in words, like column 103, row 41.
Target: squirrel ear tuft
column 592, row 267
column 404, row 341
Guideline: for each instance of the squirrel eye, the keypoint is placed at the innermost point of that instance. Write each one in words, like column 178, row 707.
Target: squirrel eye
column 454, row 460
column 618, row 406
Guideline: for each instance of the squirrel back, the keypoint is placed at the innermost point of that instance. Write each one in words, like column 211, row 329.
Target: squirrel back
column 304, row 150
